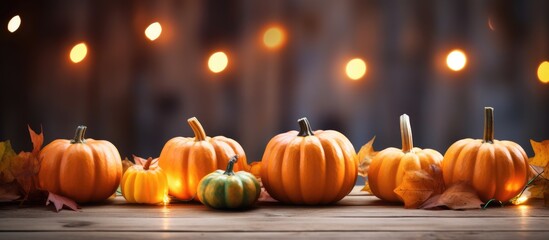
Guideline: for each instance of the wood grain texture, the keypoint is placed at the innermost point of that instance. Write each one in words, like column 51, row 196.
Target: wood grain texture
column 357, row 215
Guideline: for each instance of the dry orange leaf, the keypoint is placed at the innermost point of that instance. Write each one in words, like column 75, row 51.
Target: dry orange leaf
column 418, row 185
column 541, row 157
column 364, row 157
column 459, row 196
column 141, row 161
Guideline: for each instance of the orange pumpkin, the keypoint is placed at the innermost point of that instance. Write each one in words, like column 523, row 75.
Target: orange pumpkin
column 84, row 170
column 388, row 167
column 496, row 169
column 309, row 167
column 187, row 160
column 141, row 184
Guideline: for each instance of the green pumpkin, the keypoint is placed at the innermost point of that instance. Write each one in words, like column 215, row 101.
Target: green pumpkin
column 229, row 190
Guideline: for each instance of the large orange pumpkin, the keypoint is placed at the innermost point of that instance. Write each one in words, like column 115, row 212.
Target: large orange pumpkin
column 187, row 160
column 309, row 167
column 84, row 170
column 389, row 166
column 496, row 169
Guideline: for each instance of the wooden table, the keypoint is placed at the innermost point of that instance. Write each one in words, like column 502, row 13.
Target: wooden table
column 359, row 215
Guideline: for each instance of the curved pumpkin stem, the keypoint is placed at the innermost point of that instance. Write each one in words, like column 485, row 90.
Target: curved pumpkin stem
column 199, row 133
column 304, row 128
column 79, row 135
column 406, row 133
column 229, row 171
column 488, row 125
column 147, row 163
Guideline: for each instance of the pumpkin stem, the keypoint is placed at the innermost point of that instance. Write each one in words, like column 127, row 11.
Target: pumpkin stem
column 79, row 135
column 199, row 133
column 406, row 133
column 488, row 125
column 304, row 127
column 148, row 163
column 230, row 165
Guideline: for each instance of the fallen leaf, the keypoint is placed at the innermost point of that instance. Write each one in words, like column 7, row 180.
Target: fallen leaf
column 419, row 185
column 537, row 190
column 459, row 196
column 541, row 157
column 60, row 201
column 264, row 195
column 25, row 165
column 6, row 156
column 126, row 163
column 141, row 161
column 366, row 188
column 364, row 156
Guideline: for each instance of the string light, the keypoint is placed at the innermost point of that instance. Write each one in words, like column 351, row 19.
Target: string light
column 153, row 31
column 273, row 37
column 78, row 52
column 456, row 60
column 356, row 68
column 14, row 23
column 218, row 62
column 543, row 72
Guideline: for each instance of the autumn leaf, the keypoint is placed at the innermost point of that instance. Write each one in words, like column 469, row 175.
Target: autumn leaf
column 60, row 201
column 264, row 195
column 126, row 163
column 541, row 156
column 6, row 156
column 366, row 188
column 364, row 157
column 141, row 161
column 419, row 185
column 459, row 196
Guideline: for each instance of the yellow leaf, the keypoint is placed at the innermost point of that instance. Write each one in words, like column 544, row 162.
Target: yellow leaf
column 417, row 186
column 536, row 191
column 541, row 151
column 366, row 188
column 365, row 156
column 6, row 157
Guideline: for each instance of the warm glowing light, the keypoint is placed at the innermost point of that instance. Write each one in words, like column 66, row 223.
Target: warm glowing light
column 543, row 72
column 166, row 200
column 520, row 200
column 356, row 68
column 78, row 52
column 456, row 60
column 218, row 62
column 153, row 31
column 14, row 23
column 273, row 37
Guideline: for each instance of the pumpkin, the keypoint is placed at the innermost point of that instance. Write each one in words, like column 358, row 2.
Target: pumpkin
column 388, row 166
column 309, row 167
column 187, row 160
column 142, row 184
column 229, row 190
column 84, row 170
column 495, row 169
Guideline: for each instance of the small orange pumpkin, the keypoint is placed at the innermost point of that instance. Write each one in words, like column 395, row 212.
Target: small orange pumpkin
column 187, row 160
column 84, row 170
column 495, row 169
column 389, row 166
column 141, row 184
column 309, row 167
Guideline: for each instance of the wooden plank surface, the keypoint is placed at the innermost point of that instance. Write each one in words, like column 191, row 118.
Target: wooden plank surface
column 357, row 215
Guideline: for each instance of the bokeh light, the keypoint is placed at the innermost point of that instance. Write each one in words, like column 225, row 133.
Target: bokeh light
column 78, row 52
column 456, row 60
column 274, row 37
column 153, row 31
column 14, row 23
column 543, row 72
column 218, row 62
column 356, row 68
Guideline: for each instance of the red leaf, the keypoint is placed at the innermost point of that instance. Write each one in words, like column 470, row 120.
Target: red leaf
column 141, row 161
column 458, row 197
column 36, row 139
column 60, row 201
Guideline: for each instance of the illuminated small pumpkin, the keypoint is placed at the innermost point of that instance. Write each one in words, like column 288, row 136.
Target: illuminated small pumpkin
column 187, row 160
column 309, row 167
column 141, row 184
column 388, row 167
column 229, row 190
column 84, row 170
column 496, row 169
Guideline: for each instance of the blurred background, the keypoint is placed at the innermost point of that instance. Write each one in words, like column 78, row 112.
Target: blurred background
column 284, row 60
